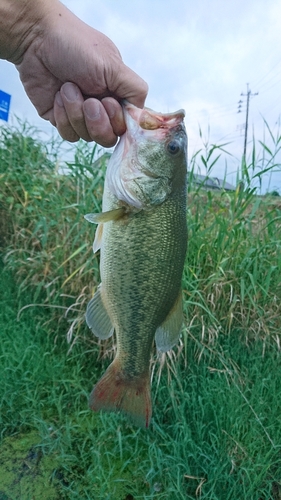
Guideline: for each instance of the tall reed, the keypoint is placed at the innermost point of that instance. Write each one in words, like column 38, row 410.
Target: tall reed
column 231, row 278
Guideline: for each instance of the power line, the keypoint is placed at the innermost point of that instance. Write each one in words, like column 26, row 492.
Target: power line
column 259, row 81
column 264, row 86
column 271, row 86
column 212, row 111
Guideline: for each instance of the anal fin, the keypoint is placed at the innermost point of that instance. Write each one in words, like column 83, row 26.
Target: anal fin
column 167, row 334
column 97, row 317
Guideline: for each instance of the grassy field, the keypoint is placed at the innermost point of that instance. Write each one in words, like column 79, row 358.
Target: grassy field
column 216, row 427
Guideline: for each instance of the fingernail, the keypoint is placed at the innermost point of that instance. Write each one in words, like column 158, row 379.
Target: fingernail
column 70, row 91
column 92, row 109
column 59, row 100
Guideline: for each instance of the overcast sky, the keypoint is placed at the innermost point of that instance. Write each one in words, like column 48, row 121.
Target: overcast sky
column 197, row 55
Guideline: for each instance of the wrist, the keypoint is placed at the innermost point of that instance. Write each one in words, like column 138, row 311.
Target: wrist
column 21, row 21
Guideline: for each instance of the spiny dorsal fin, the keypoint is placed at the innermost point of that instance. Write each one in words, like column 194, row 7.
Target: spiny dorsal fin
column 97, row 317
column 167, row 334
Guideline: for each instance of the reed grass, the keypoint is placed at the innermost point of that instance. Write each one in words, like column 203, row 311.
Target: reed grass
column 231, row 278
column 216, row 429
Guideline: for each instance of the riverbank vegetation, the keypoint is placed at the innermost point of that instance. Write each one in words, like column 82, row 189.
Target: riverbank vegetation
column 216, row 427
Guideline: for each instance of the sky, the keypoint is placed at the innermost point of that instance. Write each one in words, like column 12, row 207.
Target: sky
column 197, row 55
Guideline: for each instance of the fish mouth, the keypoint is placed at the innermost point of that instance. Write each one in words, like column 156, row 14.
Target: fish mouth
column 148, row 119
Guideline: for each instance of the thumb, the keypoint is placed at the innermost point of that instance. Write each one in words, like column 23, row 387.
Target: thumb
column 128, row 85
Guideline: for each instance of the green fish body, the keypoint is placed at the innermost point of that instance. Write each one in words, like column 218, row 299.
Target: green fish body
column 142, row 236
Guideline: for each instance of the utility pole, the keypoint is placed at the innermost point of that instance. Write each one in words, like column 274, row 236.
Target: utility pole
column 249, row 94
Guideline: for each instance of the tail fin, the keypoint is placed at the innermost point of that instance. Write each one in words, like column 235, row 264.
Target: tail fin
column 115, row 392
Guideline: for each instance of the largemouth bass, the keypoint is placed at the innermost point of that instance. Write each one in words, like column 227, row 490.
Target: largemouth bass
column 142, row 236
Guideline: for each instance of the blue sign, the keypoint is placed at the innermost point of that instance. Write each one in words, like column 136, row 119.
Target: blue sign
column 5, row 100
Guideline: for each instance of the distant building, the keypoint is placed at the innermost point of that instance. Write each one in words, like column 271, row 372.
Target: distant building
column 196, row 179
column 209, row 182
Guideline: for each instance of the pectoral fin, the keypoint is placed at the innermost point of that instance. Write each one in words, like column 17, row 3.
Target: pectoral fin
column 97, row 317
column 115, row 214
column 167, row 334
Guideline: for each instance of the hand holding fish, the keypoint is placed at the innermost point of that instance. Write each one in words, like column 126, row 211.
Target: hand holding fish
column 73, row 74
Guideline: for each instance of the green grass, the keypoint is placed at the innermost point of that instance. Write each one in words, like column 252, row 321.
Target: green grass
column 231, row 278
column 216, row 427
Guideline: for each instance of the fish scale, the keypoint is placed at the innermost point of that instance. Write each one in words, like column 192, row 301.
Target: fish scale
column 134, row 309
column 142, row 236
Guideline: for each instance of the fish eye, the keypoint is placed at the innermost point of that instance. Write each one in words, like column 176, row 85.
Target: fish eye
column 173, row 147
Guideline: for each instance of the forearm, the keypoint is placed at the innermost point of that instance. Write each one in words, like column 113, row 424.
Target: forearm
column 20, row 22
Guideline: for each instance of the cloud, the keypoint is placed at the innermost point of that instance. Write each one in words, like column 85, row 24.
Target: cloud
column 196, row 55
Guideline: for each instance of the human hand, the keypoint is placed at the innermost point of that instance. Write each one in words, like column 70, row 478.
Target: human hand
column 75, row 77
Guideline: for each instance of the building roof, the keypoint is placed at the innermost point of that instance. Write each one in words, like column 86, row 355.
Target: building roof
column 209, row 182
column 197, row 179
